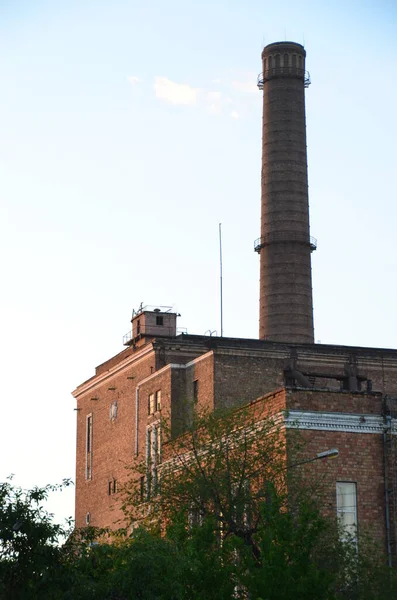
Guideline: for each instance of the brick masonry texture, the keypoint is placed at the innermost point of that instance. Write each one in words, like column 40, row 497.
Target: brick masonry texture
column 281, row 371
column 230, row 373
column 286, row 306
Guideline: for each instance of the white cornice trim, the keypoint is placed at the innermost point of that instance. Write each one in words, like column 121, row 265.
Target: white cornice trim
column 97, row 380
column 159, row 372
column 335, row 421
column 173, row 366
column 199, row 358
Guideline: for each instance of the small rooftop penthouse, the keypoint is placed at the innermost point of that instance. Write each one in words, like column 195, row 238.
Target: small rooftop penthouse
column 149, row 322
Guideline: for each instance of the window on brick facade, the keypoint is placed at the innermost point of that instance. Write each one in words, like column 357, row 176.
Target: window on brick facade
column 142, row 488
column 158, row 445
column 153, row 458
column 113, row 411
column 240, row 506
column 88, row 446
column 151, row 404
column 112, row 487
column 158, row 400
column 195, row 390
column 159, row 320
column 148, row 446
column 195, row 515
column 346, row 508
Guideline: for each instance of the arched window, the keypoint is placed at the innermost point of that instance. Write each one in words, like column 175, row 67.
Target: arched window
column 294, row 60
column 278, row 61
column 286, row 60
column 264, row 64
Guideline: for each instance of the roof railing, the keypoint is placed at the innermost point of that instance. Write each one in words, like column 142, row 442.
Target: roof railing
column 294, row 72
column 284, row 236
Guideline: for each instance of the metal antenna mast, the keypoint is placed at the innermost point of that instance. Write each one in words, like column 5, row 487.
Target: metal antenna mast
column 220, row 262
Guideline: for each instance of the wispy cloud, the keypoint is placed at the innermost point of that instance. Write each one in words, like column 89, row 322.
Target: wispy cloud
column 175, row 93
column 230, row 96
column 213, row 102
column 134, row 80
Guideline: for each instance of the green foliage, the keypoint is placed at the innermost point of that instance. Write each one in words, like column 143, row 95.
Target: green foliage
column 233, row 520
column 249, row 522
column 30, row 554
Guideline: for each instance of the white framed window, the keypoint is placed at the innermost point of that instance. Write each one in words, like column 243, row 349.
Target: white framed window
column 346, row 508
column 151, row 404
column 195, row 515
column 158, row 400
column 113, row 411
column 153, row 457
column 88, row 448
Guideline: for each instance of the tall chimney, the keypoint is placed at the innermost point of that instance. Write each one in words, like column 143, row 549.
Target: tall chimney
column 285, row 246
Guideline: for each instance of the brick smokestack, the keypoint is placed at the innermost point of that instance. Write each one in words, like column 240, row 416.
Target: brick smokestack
column 285, row 246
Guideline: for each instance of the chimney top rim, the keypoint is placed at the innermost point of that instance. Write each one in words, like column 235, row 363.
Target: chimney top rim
column 284, row 45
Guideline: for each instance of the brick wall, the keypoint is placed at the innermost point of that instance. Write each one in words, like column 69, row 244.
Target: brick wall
column 229, row 373
column 242, row 378
column 360, row 461
column 112, row 441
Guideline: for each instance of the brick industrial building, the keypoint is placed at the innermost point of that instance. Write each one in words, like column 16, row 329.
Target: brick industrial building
column 338, row 396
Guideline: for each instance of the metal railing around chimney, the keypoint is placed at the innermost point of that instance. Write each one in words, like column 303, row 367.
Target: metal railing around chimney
column 283, row 72
column 285, row 236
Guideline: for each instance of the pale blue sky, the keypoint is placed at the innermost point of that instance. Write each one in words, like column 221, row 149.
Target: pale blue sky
column 129, row 130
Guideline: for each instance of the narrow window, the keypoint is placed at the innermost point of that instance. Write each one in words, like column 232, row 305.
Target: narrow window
column 158, row 400
column 240, row 506
column 112, row 487
column 151, row 404
column 142, row 488
column 195, row 390
column 113, row 411
column 148, row 446
column 138, row 327
column 88, row 461
column 158, row 445
column 88, row 518
column 149, row 462
column 153, row 459
column 159, row 320
column 346, row 508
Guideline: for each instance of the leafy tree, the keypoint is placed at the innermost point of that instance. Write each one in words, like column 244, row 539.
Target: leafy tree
column 30, row 552
column 246, row 518
column 227, row 517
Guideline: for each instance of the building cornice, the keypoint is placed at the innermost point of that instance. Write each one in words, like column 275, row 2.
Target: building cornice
column 134, row 359
column 335, row 421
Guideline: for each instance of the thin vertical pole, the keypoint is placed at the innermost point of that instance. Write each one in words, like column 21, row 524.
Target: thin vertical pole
column 220, row 262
